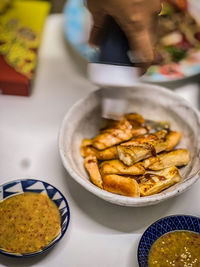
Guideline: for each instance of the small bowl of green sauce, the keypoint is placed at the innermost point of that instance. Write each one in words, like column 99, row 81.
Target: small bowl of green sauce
column 171, row 241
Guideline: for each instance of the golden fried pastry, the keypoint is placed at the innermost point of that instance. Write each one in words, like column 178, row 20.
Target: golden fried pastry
column 135, row 119
column 117, row 167
column 92, row 167
column 129, row 155
column 179, row 157
column 146, row 138
column 139, row 131
column 142, row 147
column 154, row 182
column 88, row 150
column 134, row 157
column 121, row 185
column 138, row 124
column 173, row 139
column 120, row 132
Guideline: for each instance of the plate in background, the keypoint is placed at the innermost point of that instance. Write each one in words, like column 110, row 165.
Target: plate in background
column 77, row 24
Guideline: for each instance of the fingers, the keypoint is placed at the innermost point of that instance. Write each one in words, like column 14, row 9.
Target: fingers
column 139, row 23
column 137, row 18
column 140, row 42
column 97, row 28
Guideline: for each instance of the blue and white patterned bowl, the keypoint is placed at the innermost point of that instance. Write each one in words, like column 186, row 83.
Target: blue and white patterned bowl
column 161, row 227
column 37, row 186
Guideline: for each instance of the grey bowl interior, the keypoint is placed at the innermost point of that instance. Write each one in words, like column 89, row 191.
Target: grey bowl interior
column 153, row 102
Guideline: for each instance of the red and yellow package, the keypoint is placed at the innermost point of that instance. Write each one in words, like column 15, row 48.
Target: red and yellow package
column 21, row 26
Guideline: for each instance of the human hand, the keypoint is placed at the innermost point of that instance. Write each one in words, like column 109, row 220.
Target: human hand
column 138, row 20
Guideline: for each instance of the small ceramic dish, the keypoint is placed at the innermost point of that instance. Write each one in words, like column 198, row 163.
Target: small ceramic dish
column 153, row 102
column 161, row 227
column 17, row 187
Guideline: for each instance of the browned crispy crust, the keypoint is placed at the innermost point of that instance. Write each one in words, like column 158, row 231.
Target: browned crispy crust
column 121, row 145
column 154, row 182
column 142, row 147
column 121, row 185
column 117, row 167
column 138, row 124
column 120, row 132
column 179, row 157
column 173, row 139
column 88, row 150
column 139, row 131
column 135, row 118
column 92, row 167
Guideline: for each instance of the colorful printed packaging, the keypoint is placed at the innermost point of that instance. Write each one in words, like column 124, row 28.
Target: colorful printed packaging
column 21, row 26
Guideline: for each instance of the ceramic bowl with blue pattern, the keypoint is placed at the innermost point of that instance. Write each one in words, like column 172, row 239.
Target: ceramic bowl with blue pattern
column 161, row 227
column 37, row 186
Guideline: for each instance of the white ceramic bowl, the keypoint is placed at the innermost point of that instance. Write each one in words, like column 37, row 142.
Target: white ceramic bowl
column 154, row 102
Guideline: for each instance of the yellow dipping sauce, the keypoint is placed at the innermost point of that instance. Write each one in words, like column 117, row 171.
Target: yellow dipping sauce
column 28, row 222
column 178, row 248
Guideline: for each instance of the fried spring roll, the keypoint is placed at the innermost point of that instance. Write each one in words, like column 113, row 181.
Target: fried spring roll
column 179, row 157
column 120, row 132
column 92, row 167
column 154, row 182
column 121, row 185
column 117, row 167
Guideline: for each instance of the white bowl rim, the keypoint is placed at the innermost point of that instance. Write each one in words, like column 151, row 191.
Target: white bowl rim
column 115, row 198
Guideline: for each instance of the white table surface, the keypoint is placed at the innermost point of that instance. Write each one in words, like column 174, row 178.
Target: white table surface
column 100, row 234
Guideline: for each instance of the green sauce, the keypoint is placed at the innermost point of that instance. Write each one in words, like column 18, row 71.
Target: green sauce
column 178, row 248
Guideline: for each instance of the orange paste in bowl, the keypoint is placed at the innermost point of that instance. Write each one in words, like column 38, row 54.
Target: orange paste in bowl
column 178, row 248
column 28, row 223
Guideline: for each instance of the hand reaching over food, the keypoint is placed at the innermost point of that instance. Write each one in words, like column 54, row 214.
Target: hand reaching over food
column 137, row 19
column 120, row 161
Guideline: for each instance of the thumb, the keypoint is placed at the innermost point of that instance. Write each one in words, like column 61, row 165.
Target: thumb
column 141, row 45
column 139, row 39
column 99, row 19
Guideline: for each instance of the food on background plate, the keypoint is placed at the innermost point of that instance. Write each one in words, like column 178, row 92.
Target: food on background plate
column 29, row 222
column 120, row 161
column 178, row 248
column 178, row 32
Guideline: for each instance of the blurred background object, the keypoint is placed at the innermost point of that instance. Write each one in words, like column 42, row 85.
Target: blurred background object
column 57, row 5
column 20, row 38
column 179, row 51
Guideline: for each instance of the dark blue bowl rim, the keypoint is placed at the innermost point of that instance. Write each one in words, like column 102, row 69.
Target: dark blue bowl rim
column 27, row 255
column 160, row 219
